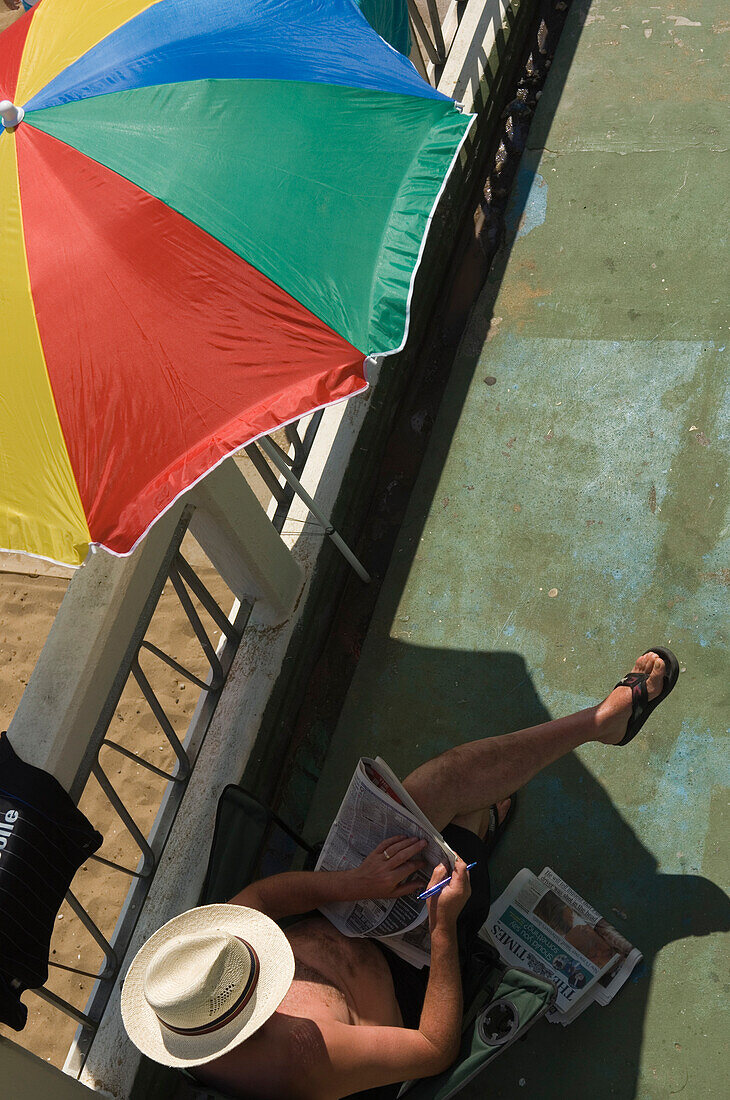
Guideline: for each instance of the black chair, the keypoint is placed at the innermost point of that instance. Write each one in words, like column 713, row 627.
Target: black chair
column 249, row 842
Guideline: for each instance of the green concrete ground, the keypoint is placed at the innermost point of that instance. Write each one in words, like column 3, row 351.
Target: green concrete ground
column 570, row 513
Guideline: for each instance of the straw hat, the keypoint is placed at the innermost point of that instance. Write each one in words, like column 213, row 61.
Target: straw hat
column 204, row 982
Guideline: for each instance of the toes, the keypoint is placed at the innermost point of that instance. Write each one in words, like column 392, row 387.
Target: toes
column 656, row 676
column 654, row 667
column 645, row 662
column 657, row 663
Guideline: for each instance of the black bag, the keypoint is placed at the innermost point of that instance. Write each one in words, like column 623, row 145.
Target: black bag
column 44, row 839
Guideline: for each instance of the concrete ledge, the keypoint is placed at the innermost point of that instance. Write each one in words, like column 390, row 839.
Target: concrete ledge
column 26, row 1077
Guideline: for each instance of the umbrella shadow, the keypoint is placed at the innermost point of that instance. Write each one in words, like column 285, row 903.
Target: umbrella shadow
column 565, row 820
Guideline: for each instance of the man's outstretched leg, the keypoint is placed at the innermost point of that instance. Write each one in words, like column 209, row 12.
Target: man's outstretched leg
column 462, row 783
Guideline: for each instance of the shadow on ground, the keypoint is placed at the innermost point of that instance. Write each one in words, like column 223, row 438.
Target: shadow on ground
column 481, row 533
column 565, row 820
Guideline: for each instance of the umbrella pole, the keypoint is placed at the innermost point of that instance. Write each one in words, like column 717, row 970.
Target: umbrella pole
column 272, row 452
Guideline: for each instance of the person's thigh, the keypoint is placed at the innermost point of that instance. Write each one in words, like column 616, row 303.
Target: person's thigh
column 476, row 822
column 434, row 787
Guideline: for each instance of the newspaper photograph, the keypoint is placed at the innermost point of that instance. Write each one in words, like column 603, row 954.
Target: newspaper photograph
column 614, row 976
column 375, row 807
column 542, row 925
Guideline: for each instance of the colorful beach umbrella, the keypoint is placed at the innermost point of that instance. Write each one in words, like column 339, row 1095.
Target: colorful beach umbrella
column 210, row 215
column 390, row 20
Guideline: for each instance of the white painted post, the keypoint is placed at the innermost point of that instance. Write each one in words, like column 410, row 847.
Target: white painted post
column 470, row 53
column 61, row 706
column 243, row 545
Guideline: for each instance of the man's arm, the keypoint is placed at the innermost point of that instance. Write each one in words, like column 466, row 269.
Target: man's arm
column 362, row 1057
column 297, row 892
column 443, row 1005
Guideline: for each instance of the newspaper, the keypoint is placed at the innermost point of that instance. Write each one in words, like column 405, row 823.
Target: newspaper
column 376, row 806
column 542, row 925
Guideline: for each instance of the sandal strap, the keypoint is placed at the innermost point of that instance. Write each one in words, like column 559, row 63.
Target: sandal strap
column 632, row 678
column 639, row 695
column 641, row 706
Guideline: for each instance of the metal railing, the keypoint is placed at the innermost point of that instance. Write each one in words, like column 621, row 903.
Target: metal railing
column 301, row 446
column 188, row 587
column 141, row 658
column 434, row 24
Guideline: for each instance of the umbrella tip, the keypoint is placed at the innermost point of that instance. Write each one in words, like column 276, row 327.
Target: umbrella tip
column 10, row 114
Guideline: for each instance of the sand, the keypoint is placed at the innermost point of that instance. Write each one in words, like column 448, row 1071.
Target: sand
column 7, row 17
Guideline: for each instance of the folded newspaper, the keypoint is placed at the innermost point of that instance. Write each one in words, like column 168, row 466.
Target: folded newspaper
column 541, row 925
column 376, row 807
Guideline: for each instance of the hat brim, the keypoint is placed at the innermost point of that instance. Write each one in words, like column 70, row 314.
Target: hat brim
column 275, row 977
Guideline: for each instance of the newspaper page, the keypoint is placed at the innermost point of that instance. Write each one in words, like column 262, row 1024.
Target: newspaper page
column 616, row 975
column 541, row 924
column 376, row 806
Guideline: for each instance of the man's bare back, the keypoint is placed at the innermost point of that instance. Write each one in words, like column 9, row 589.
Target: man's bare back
column 339, row 1028
column 337, row 979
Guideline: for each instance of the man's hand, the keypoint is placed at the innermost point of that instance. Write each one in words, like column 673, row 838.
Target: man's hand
column 382, row 873
column 296, row 892
column 444, row 907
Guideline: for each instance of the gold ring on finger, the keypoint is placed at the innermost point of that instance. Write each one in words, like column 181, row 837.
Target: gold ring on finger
column 385, row 853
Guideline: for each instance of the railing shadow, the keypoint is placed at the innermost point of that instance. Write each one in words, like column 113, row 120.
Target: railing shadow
column 488, row 243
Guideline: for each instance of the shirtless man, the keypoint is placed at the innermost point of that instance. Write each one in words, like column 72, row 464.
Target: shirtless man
column 340, row 1027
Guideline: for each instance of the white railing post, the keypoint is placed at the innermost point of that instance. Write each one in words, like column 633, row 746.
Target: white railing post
column 72, row 680
column 471, row 51
column 243, row 544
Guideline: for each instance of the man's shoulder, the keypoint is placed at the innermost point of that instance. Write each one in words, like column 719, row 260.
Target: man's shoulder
column 315, row 1057
column 296, row 1058
column 286, row 1059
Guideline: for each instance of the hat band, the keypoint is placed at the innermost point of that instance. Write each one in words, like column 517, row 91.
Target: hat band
column 233, row 1011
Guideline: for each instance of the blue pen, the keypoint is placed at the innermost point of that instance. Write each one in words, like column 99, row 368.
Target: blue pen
column 439, row 886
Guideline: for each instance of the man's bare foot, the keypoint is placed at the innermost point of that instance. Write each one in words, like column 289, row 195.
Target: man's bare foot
column 503, row 809
column 493, row 832
column 613, row 714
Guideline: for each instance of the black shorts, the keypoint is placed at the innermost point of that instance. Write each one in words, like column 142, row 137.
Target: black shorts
column 410, row 983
